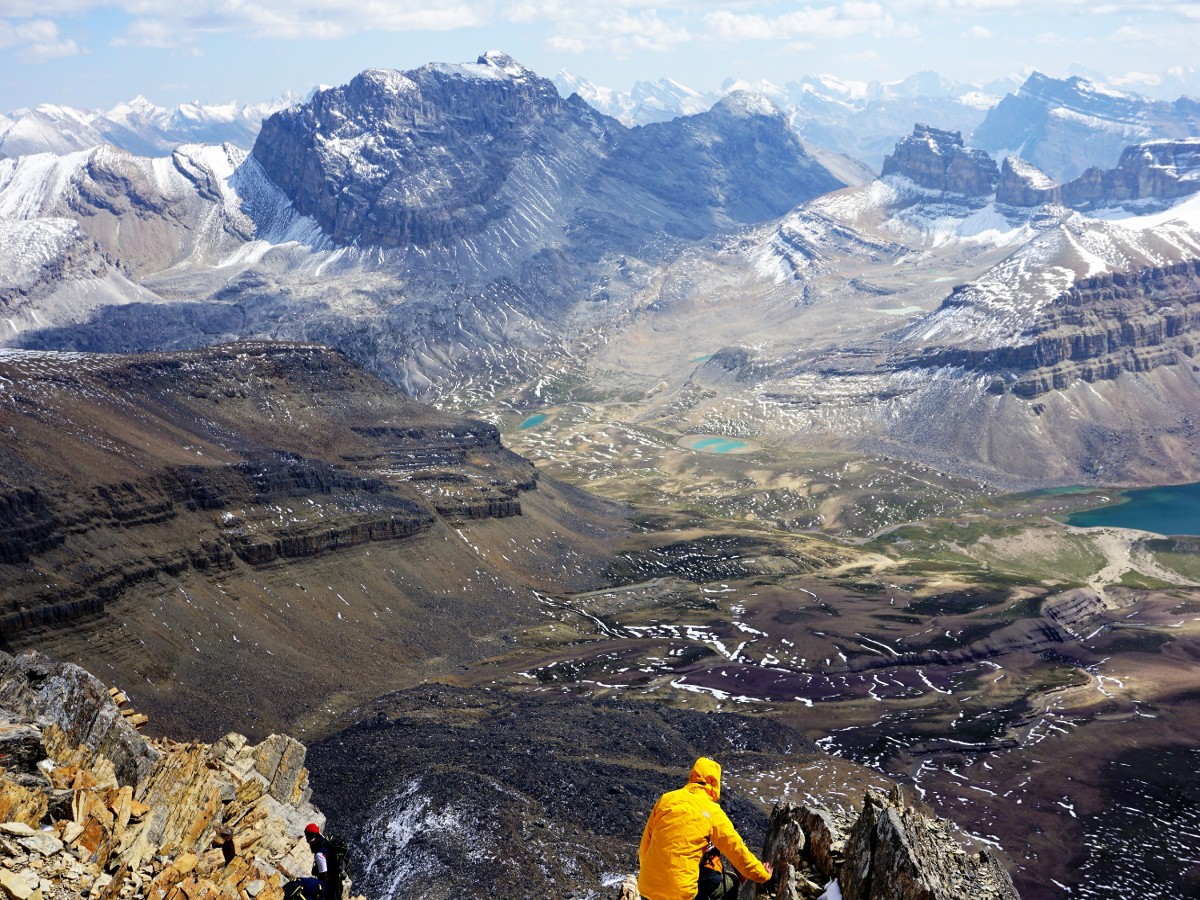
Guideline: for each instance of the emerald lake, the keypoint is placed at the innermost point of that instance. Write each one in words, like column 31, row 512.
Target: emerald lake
column 1174, row 509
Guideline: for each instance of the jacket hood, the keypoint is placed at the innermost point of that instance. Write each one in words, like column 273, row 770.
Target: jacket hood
column 707, row 772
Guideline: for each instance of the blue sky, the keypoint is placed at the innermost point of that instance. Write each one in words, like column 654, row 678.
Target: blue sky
column 93, row 54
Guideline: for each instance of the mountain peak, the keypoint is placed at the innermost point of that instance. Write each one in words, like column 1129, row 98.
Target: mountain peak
column 939, row 160
column 491, row 66
column 500, row 60
column 747, row 103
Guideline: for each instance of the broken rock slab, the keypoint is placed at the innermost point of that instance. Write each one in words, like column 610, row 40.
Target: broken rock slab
column 889, row 851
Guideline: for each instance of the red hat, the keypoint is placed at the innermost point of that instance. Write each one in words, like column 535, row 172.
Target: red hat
column 311, row 828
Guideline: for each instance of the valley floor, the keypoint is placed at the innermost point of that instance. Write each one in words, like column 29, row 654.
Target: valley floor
column 1032, row 681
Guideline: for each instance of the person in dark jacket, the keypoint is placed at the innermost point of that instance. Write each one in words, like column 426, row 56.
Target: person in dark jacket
column 320, row 852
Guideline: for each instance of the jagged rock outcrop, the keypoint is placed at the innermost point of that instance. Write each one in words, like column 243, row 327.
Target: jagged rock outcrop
column 1159, row 170
column 1023, row 184
column 1075, row 611
column 938, row 160
column 156, row 819
column 78, row 705
column 889, row 851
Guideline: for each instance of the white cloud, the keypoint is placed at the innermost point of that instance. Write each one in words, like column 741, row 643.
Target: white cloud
column 842, row 20
column 620, row 32
column 36, row 40
column 1136, row 79
column 618, row 27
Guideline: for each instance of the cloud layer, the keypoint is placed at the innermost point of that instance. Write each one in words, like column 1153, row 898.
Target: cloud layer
column 569, row 25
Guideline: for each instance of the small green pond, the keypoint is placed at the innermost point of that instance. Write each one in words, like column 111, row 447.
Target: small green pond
column 719, row 445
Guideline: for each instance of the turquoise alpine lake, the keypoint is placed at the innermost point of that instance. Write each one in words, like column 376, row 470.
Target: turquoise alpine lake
column 1169, row 510
column 532, row 422
column 719, row 445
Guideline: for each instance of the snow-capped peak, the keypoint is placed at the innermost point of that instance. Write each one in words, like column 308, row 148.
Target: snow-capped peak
column 749, row 103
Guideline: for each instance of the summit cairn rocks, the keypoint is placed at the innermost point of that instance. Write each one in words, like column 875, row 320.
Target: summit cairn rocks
column 888, row 852
column 163, row 821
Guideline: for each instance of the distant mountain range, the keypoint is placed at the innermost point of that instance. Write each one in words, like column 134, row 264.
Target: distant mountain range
column 137, row 126
column 859, row 119
column 1062, row 126
column 473, row 236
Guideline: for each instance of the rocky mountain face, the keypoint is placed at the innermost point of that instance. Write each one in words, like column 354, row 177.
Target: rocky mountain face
column 1148, row 176
column 1157, row 171
column 939, row 161
column 90, row 806
column 140, row 495
column 445, row 153
column 1065, row 126
column 1101, row 328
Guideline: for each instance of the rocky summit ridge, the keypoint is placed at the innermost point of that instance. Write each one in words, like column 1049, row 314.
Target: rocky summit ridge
column 89, row 807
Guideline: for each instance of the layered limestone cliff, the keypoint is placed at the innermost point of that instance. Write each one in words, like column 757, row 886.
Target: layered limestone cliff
column 89, row 807
column 388, row 484
column 939, row 161
column 1148, row 175
column 1102, row 327
column 175, row 517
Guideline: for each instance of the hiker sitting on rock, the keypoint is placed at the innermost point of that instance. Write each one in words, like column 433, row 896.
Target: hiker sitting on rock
column 674, row 856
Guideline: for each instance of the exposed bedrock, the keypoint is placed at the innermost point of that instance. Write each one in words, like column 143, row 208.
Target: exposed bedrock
column 889, row 851
column 939, row 161
column 1101, row 327
column 100, row 512
column 74, row 701
column 490, row 151
column 1161, row 171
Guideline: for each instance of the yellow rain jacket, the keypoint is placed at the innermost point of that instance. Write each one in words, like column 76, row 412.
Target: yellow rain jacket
column 679, row 829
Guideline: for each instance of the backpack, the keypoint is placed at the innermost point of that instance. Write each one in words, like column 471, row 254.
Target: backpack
column 303, row 889
column 338, row 856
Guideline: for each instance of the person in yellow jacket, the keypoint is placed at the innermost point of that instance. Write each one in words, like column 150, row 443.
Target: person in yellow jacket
column 681, row 828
